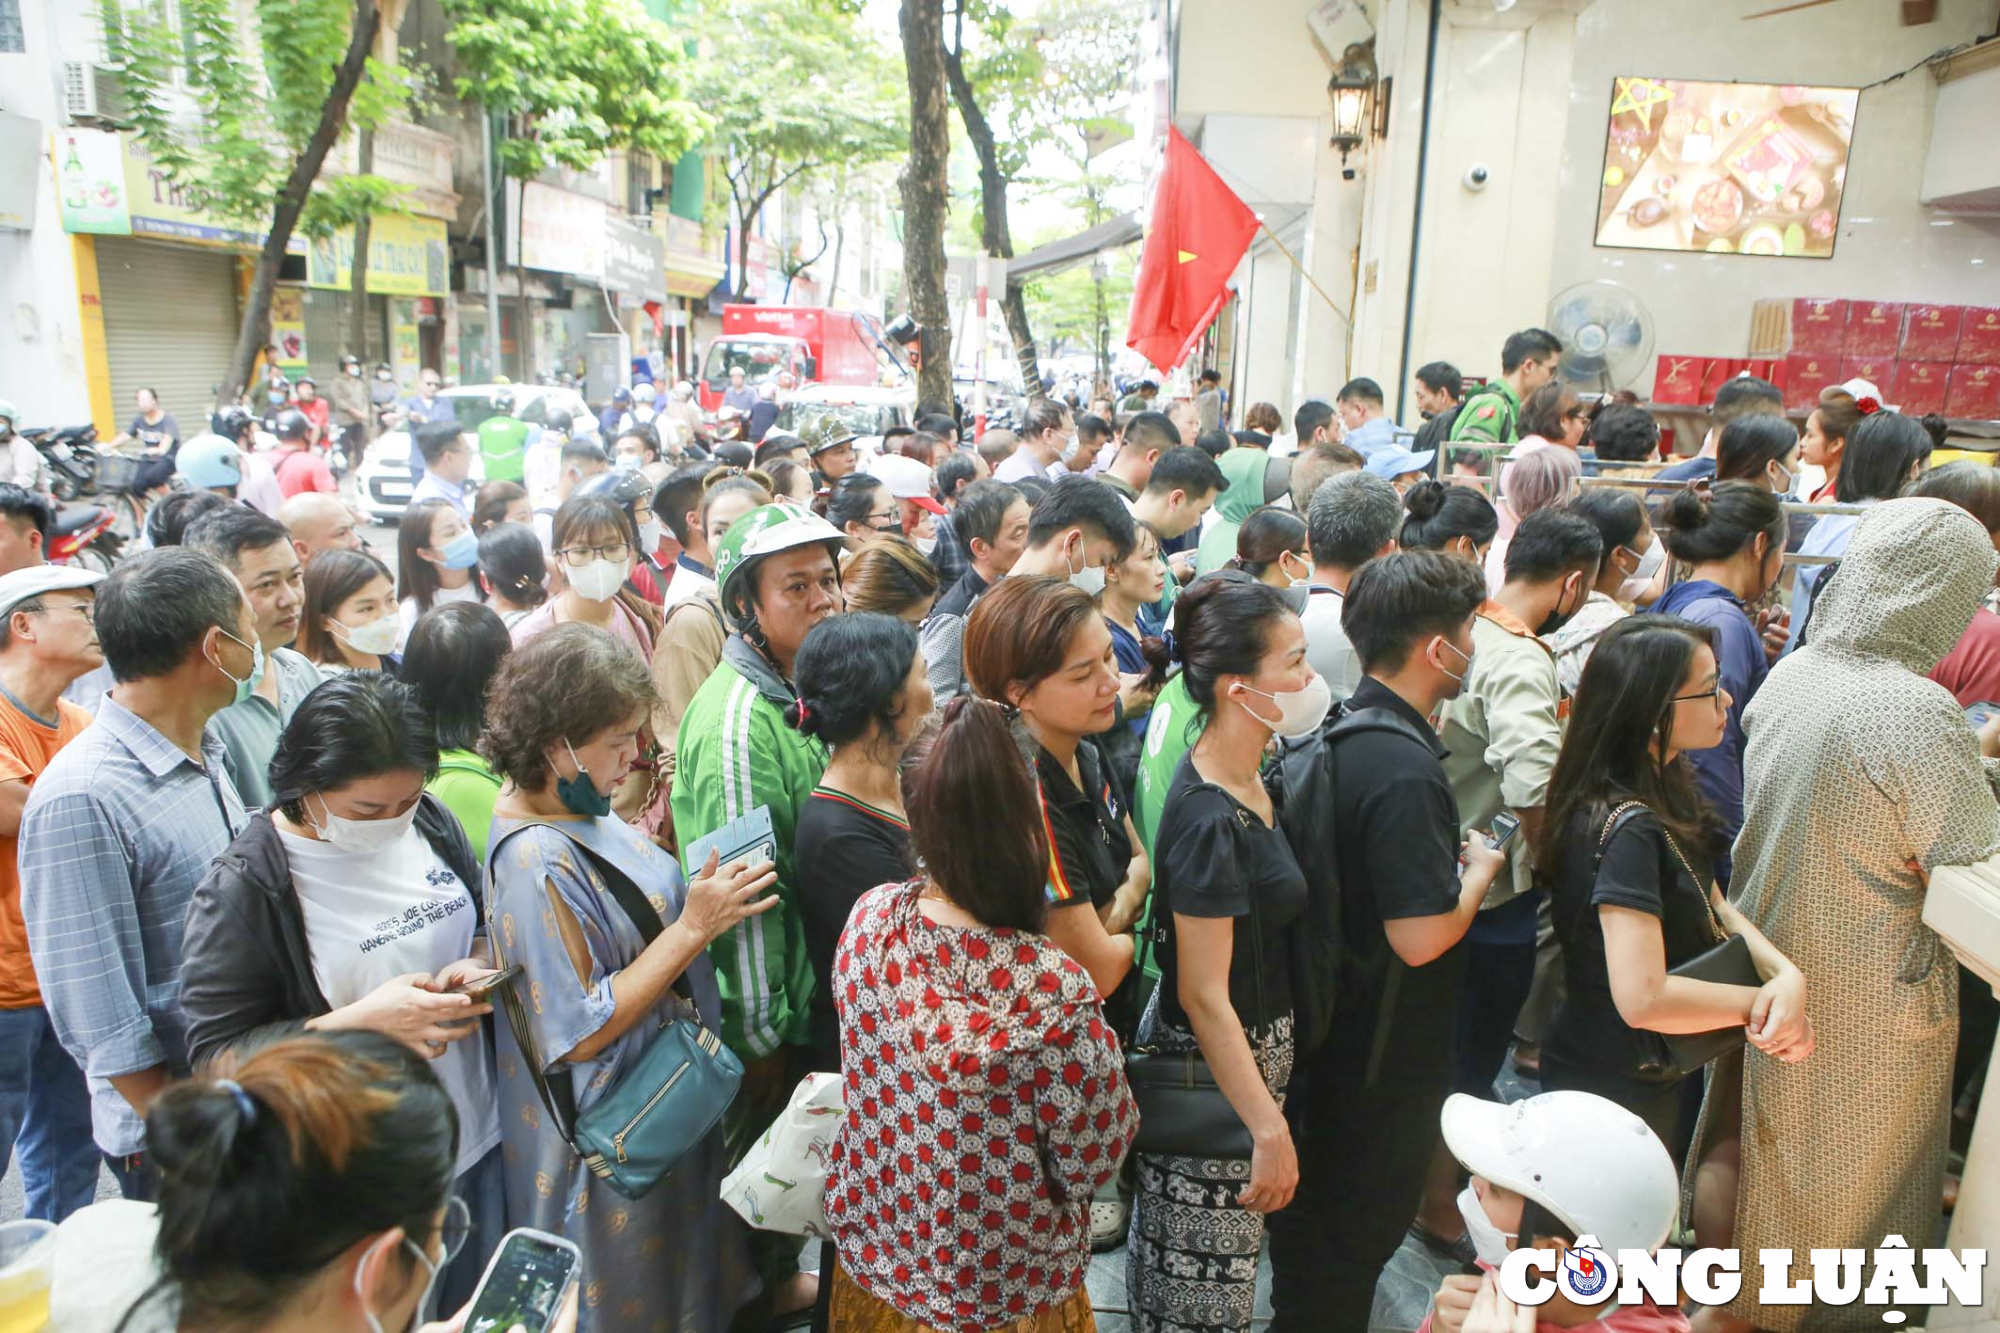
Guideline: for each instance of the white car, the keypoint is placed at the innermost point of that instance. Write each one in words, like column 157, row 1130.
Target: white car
column 390, row 468
column 866, row 410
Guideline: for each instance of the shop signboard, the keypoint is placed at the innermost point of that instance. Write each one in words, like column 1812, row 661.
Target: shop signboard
column 633, row 261
column 557, row 231
column 90, row 183
column 288, row 329
column 160, row 207
column 407, row 256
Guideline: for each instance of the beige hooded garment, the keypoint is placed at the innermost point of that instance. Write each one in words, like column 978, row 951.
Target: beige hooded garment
column 1855, row 765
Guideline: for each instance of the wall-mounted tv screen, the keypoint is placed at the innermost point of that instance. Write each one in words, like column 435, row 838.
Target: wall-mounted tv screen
column 1725, row 168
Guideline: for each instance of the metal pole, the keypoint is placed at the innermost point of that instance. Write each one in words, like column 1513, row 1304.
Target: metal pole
column 982, row 271
column 492, row 249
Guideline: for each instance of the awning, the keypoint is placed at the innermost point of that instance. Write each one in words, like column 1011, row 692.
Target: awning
column 1073, row 250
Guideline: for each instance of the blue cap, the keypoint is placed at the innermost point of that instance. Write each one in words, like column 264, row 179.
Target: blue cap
column 1390, row 464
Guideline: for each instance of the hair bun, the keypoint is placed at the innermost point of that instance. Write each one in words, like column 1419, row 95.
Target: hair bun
column 1684, row 510
column 799, row 717
column 1424, row 500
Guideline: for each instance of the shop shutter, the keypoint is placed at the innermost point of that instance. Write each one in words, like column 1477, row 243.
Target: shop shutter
column 169, row 324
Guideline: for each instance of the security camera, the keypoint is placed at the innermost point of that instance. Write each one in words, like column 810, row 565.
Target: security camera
column 1476, row 177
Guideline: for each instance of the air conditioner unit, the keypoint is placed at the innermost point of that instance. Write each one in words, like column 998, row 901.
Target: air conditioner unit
column 91, row 94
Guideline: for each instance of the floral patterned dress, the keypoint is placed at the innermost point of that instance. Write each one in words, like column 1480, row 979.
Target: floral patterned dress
column 671, row 1261
column 986, row 1101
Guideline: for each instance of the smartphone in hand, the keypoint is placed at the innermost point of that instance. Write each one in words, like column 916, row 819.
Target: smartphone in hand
column 524, row 1283
column 1505, row 826
column 481, row 988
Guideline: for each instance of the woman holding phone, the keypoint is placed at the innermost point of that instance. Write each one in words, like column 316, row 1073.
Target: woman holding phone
column 354, row 902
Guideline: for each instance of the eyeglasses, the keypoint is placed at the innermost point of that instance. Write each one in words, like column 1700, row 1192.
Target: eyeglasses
column 1714, row 694
column 578, row 556
column 455, row 1229
column 85, row 609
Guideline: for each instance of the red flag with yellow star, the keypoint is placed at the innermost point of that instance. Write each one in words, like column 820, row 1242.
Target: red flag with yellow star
column 1198, row 234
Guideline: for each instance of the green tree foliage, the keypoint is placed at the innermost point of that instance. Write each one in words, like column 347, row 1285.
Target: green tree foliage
column 794, row 88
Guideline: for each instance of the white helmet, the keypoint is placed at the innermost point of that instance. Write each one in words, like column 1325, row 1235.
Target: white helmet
column 642, row 392
column 1587, row 1160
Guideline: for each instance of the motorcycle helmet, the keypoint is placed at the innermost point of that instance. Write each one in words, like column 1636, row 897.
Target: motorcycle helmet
column 765, row 531
column 503, row 403
column 231, row 422
column 210, row 461
column 350, row 361
column 624, row 487
column 291, row 424
column 560, row 421
column 621, row 397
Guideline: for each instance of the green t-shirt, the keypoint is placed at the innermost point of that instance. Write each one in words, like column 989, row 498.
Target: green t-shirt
column 503, row 447
column 1171, row 731
column 468, row 786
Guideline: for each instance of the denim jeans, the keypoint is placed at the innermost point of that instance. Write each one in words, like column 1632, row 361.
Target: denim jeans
column 136, row 1178
column 45, row 1116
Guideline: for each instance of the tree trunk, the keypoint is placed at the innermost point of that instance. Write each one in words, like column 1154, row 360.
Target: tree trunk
column 255, row 332
column 357, row 268
column 839, row 244
column 996, row 235
column 925, row 192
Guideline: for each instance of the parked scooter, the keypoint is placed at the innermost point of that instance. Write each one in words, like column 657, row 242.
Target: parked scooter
column 82, row 535
column 69, row 453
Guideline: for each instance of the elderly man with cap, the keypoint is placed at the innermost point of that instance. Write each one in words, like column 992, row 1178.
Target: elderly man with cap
column 47, row 642
column 319, row 522
column 830, row 445
column 614, row 411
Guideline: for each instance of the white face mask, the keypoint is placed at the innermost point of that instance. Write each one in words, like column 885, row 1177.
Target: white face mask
column 1489, row 1242
column 599, row 580
column 1649, row 563
column 360, row 836
column 377, row 636
column 1299, row 711
column 1463, row 671
column 430, row 1283
column 924, row 544
column 649, row 535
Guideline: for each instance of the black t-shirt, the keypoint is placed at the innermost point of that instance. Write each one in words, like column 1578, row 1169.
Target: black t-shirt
column 1639, row 871
column 166, row 432
column 1396, row 827
column 1215, row 857
column 1090, row 851
column 843, row 848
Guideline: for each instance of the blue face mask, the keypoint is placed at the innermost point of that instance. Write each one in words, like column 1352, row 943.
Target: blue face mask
column 461, row 552
column 579, row 794
column 247, row 685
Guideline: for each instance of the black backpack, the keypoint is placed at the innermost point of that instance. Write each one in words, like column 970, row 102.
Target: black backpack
column 1306, row 777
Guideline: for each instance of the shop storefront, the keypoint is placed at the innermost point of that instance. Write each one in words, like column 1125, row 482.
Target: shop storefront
column 408, row 281
column 695, row 264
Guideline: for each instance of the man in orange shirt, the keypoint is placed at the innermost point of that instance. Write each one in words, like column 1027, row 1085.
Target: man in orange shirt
column 47, row 640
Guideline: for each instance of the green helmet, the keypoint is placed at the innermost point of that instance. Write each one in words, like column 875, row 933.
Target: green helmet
column 768, row 530
column 824, row 433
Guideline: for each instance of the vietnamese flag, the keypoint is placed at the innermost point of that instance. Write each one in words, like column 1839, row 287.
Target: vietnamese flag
column 1199, row 232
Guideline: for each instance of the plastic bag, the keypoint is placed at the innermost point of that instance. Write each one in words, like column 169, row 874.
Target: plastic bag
column 780, row 1185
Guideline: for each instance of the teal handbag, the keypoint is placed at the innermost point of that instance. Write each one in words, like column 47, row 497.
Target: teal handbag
column 672, row 1096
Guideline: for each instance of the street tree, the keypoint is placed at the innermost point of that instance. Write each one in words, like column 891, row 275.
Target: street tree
column 926, row 195
column 244, row 132
column 796, row 89
column 570, row 80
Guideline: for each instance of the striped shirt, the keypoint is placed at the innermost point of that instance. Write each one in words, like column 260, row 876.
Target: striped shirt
column 115, row 836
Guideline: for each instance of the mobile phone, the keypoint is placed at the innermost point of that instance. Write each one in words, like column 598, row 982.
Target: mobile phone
column 1505, row 826
column 524, row 1283
column 482, row 988
column 1980, row 713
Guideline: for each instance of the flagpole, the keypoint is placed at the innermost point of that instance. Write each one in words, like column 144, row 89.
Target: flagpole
column 1265, row 227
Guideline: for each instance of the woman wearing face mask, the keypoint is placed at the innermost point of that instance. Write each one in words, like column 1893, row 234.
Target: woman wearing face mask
column 454, row 652
column 262, row 1224
column 1628, row 843
column 890, row 575
column 1632, row 552
column 633, row 494
column 349, row 621
column 1271, row 548
column 862, row 508
column 1038, row 646
column 500, row 502
column 513, row 569
column 1457, row 520
column 593, row 540
column 1230, row 891
column 435, row 553
column 285, row 932
column 1733, row 539
column 1761, row 449
column 563, row 721
column 864, row 694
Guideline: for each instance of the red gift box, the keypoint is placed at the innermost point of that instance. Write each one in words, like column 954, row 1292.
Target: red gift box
column 1920, row 387
column 1718, row 372
column 1879, row 371
column 1974, row 393
column 1930, row 333
column 1874, row 328
column 1979, row 337
column 1819, row 324
column 1677, row 379
column 1805, row 376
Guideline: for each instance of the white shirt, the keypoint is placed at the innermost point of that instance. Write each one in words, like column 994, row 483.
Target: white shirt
column 259, row 487
column 375, row 917
column 1328, row 649
column 406, row 610
column 684, row 584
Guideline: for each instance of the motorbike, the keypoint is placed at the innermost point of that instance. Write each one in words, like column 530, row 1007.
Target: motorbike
column 82, row 535
column 70, row 455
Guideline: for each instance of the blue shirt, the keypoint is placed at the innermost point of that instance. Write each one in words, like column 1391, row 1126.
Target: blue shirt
column 116, row 834
column 1689, row 469
column 431, row 486
column 1131, row 659
column 1828, row 535
column 422, row 413
column 1739, row 655
column 1371, row 437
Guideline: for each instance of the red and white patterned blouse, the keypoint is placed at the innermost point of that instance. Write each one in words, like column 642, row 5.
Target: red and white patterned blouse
column 986, row 1102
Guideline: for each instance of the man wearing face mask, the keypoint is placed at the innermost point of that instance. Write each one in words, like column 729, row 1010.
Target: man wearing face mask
column 1363, row 1103
column 1047, row 436
column 447, row 456
column 259, row 552
column 124, row 823
column 1503, row 732
column 351, row 405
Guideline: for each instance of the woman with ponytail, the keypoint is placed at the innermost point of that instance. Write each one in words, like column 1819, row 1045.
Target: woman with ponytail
column 1271, row 548
column 863, row 693
column 1454, row 519
column 978, row 1030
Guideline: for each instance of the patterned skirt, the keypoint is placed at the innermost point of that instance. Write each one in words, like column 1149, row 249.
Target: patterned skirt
column 854, row 1310
column 1191, row 1258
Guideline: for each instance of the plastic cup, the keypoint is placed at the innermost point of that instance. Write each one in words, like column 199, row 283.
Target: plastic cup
column 27, row 1263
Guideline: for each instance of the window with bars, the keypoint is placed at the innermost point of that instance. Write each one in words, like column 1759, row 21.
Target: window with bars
column 13, row 36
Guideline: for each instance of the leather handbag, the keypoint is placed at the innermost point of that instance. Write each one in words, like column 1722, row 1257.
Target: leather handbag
column 666, row 1102
column 1727, row 963
column 1182, row 1111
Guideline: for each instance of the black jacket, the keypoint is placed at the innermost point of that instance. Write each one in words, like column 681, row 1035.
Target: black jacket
column 246, row 970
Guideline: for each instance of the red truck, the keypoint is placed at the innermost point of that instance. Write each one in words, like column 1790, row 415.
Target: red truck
column 817, row 344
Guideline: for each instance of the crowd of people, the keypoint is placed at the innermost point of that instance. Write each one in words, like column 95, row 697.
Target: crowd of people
column 992, row 775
